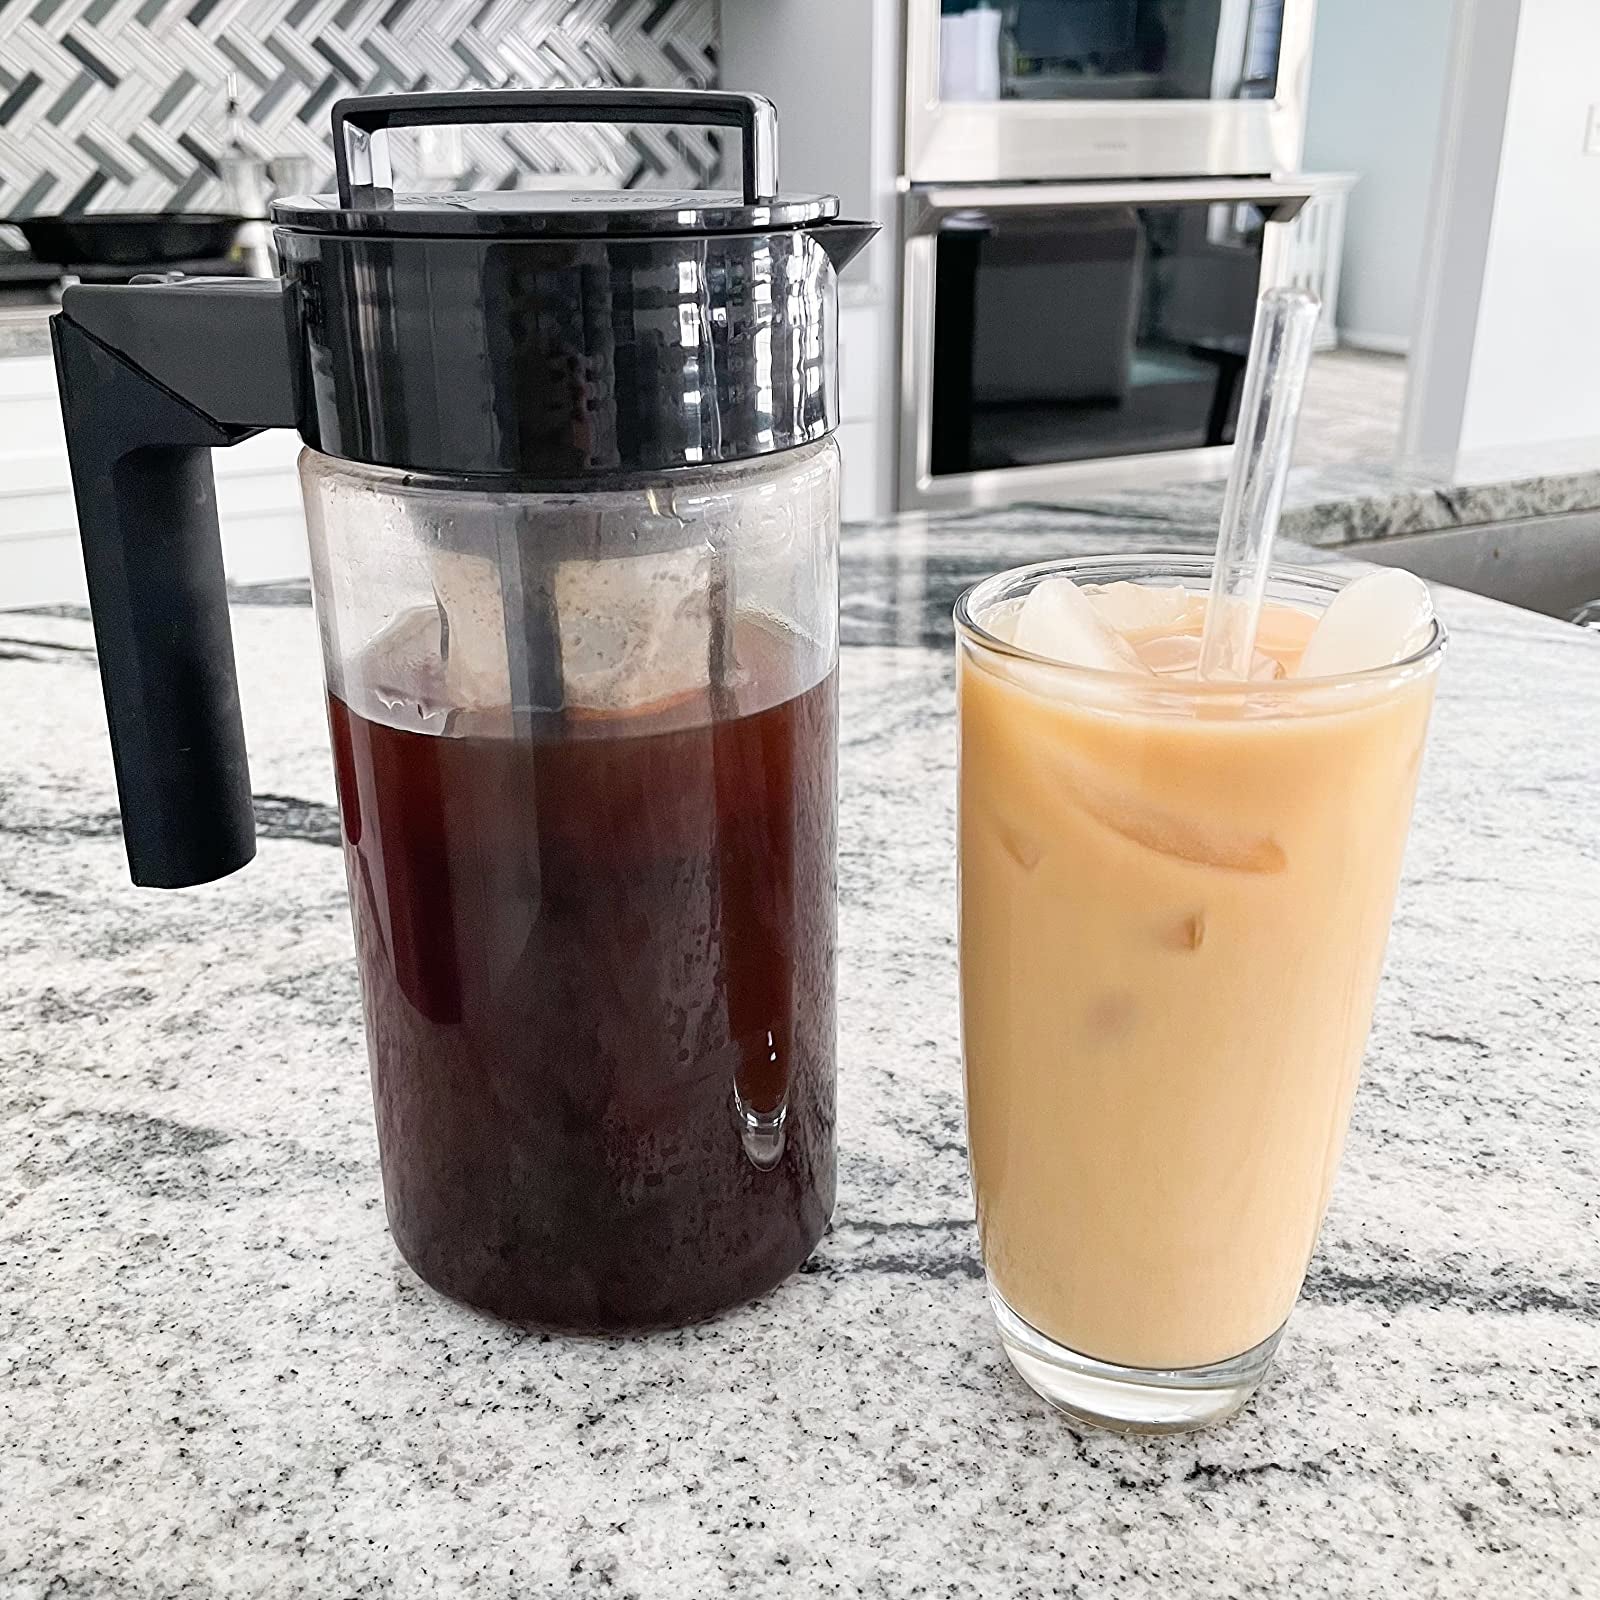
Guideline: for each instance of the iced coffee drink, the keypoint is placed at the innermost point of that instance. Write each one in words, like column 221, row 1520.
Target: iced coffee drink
column 1175, row 896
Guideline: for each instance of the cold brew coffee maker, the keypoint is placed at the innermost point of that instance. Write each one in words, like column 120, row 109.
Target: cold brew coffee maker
column 573, row 512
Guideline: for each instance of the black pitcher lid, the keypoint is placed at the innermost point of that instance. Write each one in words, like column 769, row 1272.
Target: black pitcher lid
column 365, row 201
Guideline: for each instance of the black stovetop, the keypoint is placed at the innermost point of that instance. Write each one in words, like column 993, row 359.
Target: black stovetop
column 24, row 281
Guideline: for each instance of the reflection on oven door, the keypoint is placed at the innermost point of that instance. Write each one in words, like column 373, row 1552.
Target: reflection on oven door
column 1089, row 332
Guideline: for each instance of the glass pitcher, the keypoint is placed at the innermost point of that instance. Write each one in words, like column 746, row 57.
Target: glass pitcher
column 573, row 511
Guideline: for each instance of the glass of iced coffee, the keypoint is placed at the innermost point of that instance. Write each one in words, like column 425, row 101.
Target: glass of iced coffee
column 1175, row 896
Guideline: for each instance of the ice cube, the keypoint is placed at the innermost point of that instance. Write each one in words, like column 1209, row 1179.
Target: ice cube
column 1215, row 841
column 1177, row 655
column 1111, row 1015
column 634, row 630
column 1202, row 844
column 1058, row 620
column 403, row 668
column 1284, row 629
column 1173, row 655
column 1264, row 667
column 1001, row 620
column 1186, row 933
column 1140, row 607
column 1021, row 845
column 1381, row 618
column 467, row 591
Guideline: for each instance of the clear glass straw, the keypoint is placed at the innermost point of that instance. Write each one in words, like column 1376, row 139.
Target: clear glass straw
column 1275, row 380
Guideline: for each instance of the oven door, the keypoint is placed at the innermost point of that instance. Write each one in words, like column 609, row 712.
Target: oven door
column 998, row 93
column 1084, row 336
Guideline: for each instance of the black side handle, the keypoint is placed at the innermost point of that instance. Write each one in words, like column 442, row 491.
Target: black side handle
column 153, row 376
column 361, row 154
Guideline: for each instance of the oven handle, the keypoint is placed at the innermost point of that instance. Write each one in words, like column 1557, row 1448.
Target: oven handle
column 1280, row 198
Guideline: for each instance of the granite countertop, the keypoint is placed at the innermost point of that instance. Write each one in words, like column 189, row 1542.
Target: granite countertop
column 217, row 1378
column 1357, row 501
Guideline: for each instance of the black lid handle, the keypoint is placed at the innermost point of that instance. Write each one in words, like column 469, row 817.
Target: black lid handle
column 361, row 155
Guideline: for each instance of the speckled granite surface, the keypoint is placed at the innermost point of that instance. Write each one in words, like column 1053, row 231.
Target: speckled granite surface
column 1358, row 501
column 217, row 1379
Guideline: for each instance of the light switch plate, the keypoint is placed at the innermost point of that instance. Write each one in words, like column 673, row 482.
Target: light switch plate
column 1591, row 134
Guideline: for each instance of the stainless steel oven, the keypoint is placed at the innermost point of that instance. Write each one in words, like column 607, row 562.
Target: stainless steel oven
column 1063, row 337
column 1006, row 90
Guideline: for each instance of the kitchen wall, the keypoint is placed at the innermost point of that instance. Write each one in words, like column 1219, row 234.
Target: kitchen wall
column 1508, row 340
column 1537, row 349
column 119, row 103
column 1377, row 86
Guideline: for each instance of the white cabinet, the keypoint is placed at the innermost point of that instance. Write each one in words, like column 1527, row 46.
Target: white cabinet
column 258, row 498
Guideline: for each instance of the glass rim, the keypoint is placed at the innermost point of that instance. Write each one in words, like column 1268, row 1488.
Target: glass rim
column 1178, row 562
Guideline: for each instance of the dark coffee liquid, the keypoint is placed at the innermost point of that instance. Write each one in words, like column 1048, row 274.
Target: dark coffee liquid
column 598, row 980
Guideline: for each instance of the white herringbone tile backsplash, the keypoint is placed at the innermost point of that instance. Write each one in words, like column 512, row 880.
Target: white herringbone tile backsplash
column 118, row 104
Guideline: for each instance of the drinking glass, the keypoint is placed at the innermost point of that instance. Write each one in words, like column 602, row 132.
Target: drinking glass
column 1174, row 897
